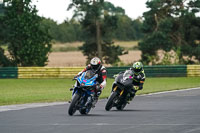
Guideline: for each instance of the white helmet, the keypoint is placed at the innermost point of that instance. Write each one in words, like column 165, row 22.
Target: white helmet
column 95, row 63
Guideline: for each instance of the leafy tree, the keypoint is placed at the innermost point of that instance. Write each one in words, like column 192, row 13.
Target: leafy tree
column 70, row 31
column 28, row 42
column 52, row 28
column 98, row 23
column 1, row 25
column 124, row 26
column 1, row 9
column 136, row 25
column 128, row 29
column 4, row 61
column 170, row 25
column 67, row 31
column 191, row 31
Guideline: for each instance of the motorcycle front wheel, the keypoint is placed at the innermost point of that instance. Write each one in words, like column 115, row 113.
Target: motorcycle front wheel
column 111, row 101
column 85, row 111
column 73, row 105
column 121, row 107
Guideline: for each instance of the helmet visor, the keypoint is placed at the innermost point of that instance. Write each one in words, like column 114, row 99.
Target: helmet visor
column 95, row 67
column 137, row 71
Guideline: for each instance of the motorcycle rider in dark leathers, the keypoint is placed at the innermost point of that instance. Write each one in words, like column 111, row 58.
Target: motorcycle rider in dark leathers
column 138, row 77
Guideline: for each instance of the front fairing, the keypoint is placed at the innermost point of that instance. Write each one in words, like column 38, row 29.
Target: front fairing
column 85, row 87
column 125, row 79
column 86, row 82
column 127, row 83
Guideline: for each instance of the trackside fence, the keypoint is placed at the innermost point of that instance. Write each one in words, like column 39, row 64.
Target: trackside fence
column 69, row 72
column 48, row 72
column 8, row 72
column 193, row 70
column 155, row 71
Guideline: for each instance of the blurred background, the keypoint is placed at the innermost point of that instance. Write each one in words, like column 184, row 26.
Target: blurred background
column 70, row 32
column 45, row 43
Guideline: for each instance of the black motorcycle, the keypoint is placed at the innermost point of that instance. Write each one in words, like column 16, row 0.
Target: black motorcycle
column 121, row 91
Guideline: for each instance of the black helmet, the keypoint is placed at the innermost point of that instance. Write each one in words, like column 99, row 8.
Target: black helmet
column 95, row 63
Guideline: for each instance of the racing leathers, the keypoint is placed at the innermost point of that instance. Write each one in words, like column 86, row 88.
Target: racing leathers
column 138, row 81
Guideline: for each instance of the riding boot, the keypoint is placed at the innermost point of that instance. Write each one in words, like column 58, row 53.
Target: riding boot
column 95, row 99
column 89, row 101
column 132, row 94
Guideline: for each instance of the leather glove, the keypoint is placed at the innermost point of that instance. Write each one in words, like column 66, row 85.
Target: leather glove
column 75, row 77
column 136, row 88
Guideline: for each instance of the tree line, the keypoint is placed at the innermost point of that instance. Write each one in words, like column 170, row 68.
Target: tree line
column 29, row 37
column 101, row 23
column 172, row 26
column 71, row 30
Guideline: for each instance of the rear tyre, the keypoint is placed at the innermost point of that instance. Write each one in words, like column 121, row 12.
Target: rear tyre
column 72, row 107
column 111, row 100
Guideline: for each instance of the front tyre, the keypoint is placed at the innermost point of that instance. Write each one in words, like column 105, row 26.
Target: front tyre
column 72, row 107
column 121, row 107
column 85, row 111
column 111, row 101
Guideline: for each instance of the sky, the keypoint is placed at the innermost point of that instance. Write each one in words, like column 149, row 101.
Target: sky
column 57, row 9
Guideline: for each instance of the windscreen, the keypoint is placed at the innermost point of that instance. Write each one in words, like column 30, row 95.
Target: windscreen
column 127, row 74
column 89, row 74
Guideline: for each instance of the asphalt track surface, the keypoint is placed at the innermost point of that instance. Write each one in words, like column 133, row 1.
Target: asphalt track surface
column 173, row 112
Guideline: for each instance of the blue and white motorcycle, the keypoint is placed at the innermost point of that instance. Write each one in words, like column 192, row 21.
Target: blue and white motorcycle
column 83, row 98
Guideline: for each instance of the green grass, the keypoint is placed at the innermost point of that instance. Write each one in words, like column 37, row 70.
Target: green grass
column 18, row 91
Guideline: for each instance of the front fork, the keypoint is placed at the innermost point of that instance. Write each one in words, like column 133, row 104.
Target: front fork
column 121, row 91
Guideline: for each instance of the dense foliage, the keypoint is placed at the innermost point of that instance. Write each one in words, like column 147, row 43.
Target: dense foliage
column 99, row 21
column 174, row 27
column 171, row 27
column 29, row 44
column 4, row 61
column 28, row 41
column 71, row 30
column 68, row 31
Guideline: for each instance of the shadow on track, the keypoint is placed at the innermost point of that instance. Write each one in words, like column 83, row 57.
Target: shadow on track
column 133, row 110
column 89, row 115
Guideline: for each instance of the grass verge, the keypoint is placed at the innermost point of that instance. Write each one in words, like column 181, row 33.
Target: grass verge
column 19, row 91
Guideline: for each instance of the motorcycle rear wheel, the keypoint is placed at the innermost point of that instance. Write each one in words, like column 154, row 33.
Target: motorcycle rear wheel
column 72, row 107
column 110, row 102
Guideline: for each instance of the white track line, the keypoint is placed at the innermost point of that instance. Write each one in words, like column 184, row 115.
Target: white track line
column 35, row 105
column 26, row 106
column 105, row 124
